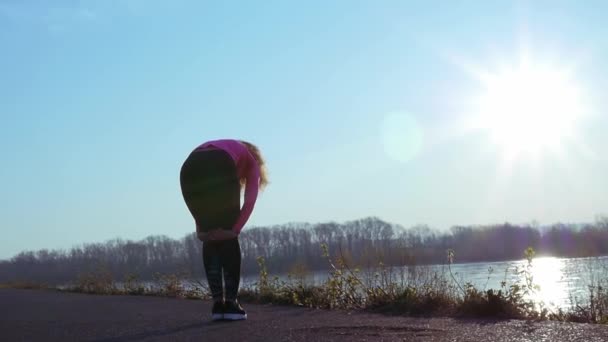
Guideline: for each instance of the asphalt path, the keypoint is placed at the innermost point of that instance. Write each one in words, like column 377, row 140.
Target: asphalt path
column 45, row 315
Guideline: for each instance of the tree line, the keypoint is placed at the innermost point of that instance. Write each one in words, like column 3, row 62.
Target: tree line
column 362, row 242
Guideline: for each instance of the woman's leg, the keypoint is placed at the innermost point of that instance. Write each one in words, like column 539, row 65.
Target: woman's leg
column 211, row 190
column 231, row 263
column 212, row 260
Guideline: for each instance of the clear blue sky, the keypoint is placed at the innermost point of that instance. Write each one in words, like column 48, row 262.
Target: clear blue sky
column 358, row 106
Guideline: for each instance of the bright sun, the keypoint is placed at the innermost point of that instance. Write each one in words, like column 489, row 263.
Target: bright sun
column 528, row 109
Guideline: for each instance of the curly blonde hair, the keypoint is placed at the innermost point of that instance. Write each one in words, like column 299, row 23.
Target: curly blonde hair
column 255, row 152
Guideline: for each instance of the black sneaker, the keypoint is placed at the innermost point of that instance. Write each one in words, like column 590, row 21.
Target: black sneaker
column 233, row 311
column 217, row 312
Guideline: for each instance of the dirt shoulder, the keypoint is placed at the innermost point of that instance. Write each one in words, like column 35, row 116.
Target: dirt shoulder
column 38, row 315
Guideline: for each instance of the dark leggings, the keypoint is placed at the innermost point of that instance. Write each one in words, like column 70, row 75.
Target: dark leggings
column 223, row 255
column 211, row 190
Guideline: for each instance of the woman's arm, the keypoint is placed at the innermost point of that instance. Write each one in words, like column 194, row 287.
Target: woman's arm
column 252, row 186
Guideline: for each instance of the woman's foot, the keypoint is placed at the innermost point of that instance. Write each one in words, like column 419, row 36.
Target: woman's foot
column 233, row 311
column 217, row 312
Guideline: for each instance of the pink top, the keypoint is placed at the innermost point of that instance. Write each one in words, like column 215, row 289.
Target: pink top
column 247, row 167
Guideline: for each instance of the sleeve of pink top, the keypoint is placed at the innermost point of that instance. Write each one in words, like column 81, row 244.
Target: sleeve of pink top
column 251, row 194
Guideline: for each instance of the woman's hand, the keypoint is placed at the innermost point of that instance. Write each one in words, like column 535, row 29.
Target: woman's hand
column 217, row 235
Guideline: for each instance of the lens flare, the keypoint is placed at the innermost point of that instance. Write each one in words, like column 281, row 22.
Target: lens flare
column 402, row 136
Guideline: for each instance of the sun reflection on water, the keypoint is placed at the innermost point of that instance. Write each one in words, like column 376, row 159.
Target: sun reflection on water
column 548, row 274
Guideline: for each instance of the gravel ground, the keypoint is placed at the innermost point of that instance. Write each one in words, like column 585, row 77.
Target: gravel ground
column 33, row 315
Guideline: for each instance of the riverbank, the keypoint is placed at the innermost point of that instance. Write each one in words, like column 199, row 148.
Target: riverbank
column 417, row 292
